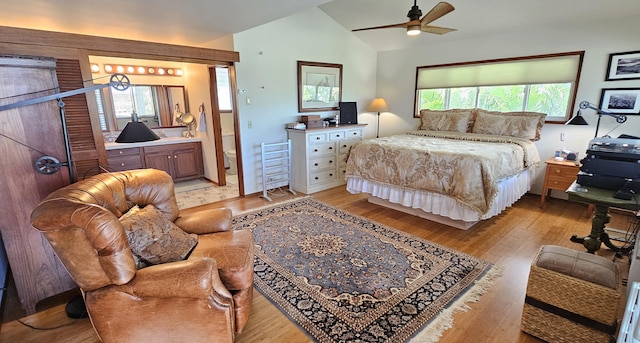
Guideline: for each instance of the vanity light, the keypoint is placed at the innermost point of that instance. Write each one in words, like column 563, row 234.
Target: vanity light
column 140, row 70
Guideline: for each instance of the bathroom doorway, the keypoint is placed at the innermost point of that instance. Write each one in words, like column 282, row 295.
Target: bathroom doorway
column 227, row 140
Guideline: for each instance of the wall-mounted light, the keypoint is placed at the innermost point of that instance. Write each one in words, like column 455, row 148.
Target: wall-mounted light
column 140, row 70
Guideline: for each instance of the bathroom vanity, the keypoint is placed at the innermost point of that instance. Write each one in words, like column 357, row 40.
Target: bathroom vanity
column 179, row 157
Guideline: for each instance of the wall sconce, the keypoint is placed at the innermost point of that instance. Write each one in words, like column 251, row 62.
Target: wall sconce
column 137, row 70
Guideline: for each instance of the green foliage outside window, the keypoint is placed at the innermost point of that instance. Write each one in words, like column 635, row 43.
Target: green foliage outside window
column 552, row 99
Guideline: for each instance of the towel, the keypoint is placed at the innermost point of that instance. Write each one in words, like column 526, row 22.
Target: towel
column 203, row 120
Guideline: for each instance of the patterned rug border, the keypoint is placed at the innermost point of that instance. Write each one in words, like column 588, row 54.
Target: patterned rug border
column 432, row 330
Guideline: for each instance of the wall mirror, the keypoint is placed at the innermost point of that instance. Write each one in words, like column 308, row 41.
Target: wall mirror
column 156, row 106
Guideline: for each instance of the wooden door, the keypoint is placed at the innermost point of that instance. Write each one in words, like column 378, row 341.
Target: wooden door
column 188, row 161
column 27, row 133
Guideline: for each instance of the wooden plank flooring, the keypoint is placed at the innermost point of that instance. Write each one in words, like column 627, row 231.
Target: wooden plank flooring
column 509, row 240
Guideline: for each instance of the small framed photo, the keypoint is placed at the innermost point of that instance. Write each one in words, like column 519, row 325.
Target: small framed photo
column 624, row 66
column 319, row 86
column 621, row 100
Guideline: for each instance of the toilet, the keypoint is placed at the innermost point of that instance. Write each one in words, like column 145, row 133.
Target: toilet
column 230, row 159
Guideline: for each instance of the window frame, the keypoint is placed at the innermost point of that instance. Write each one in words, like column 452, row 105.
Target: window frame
column 550, row 119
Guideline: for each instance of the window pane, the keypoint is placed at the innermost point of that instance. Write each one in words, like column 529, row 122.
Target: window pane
column 432, row 99
column 464, row 97
column 501, row 98
column 552, row 99
column 224, row 89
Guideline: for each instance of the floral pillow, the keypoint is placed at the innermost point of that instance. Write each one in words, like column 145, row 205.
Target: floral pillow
column 526, row 125
column 155, row 239
column 457, row 120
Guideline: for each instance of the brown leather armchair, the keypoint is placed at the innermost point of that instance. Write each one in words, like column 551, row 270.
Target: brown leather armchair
column 205, row 298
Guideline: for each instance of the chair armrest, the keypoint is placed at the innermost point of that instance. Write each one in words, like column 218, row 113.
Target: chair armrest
column 193, row 278
column 205, row 221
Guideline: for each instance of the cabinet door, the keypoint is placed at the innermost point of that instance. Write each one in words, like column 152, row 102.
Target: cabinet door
column 161, row 161
column 187, row 163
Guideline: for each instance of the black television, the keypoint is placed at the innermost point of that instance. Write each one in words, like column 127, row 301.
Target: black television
column 348, row 112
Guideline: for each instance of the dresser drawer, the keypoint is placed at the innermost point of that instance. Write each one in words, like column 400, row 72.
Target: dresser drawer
column 123, row 152
column 354, row 134
column 125, row 162
column 559, row 183
column 344, row 146
column 336, row 136
column 322, row 163
column 328, row 148
column 318, row 138
column 562, row 172
column 322, row 176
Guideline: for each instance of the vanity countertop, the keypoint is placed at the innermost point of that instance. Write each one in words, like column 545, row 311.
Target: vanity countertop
column 161, row 141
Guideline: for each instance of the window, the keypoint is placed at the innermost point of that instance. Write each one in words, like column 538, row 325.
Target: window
column 544, row 83
column 224, row 89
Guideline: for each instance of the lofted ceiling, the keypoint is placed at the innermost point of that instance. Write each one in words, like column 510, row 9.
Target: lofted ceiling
column 196, row 22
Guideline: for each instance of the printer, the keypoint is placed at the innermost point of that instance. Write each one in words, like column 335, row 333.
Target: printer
column 612, row 163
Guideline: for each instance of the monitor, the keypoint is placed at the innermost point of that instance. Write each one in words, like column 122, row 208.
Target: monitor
column 348, row 112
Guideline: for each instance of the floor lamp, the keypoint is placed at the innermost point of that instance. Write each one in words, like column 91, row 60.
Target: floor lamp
column 378, row 105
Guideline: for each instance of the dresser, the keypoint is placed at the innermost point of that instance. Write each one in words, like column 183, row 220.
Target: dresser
column 319, row 156
column 559, row 176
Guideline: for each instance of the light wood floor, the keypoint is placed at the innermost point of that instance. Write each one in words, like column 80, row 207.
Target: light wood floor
column 509, row 240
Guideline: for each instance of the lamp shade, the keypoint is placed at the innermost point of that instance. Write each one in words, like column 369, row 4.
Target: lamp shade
column 577, row 120
column 135, row 132
column 378, row 105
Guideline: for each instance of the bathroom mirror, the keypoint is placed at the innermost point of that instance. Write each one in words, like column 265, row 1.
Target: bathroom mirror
column 155, row 106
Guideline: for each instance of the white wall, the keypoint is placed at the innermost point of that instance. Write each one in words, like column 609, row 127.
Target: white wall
column 267, row 77
column 396, row 76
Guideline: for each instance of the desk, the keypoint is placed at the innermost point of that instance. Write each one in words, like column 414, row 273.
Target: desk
column 602, row 199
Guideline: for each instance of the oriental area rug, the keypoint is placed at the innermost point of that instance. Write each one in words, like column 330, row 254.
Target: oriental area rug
column 343, row 278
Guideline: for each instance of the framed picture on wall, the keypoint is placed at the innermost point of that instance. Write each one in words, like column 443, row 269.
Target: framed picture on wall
column 624, row 66
column 621, row 100
column 319, row 86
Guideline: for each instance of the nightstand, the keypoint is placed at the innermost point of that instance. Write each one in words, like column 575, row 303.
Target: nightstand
column 559, row 176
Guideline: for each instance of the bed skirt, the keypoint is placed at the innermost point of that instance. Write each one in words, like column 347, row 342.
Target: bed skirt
column 510, row 189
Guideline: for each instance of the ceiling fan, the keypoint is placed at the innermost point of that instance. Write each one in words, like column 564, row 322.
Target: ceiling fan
column 415, row 24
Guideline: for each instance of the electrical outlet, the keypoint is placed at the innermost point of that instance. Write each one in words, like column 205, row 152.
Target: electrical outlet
column 250, row 124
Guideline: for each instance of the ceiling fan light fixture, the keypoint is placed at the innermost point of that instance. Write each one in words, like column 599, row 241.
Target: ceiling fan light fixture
column 413, row 30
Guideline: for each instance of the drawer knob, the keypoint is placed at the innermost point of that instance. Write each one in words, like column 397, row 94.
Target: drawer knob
column 315, row 164
column 169, row 157
column 330, row 174
column 316, row 177
column 122, row 164
column 120, row 152
column 315, row 150
column 317, row 138
column 557, row 171
column 338, row 135
column 330, row 148
column 330, row 162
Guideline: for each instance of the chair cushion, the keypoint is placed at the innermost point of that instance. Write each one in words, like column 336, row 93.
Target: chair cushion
column 578, row 264
column 233, row 251
column 153, row 238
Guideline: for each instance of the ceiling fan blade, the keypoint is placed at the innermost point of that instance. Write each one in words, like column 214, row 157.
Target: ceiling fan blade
column 436, row 12
column 436, row 29
column 413, row 22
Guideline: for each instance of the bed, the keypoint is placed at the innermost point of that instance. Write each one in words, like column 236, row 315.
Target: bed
column 459, row 167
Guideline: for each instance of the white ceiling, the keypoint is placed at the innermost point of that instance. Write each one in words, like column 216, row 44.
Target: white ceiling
column 196, row 22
